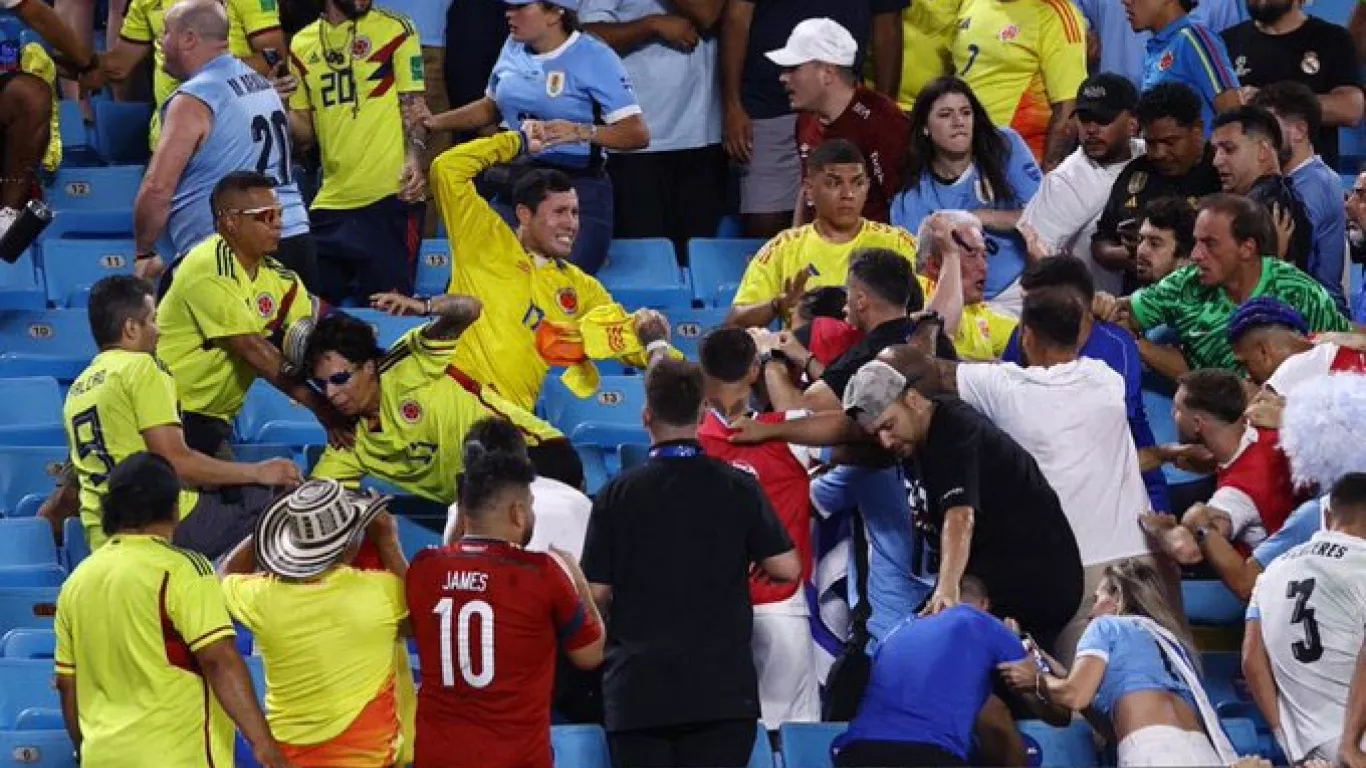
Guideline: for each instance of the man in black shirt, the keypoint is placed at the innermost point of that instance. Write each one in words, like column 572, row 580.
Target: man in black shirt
column 668, row 550
column 1178, row 162
column 1247, row 155
column 1282, row 42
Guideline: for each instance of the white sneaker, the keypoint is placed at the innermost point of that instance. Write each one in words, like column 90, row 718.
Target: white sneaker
column 7, row 218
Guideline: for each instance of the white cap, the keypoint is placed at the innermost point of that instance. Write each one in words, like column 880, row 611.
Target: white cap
column 822, row 40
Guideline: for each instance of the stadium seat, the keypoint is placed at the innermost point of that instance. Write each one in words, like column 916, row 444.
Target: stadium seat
column 46, row 575
column 730, row 227
column 1222, row 674
column 78, row 146
column 607, row 419
column 716, row 266
column 31, row 411
column 595, row 474
column 25, row 684
column 433, row 268
column 53, row 343
column 37, row 749
column 1335, row 11
column 268, row 416
column 121, row 131
column 28, row 644
column 1243, row 733
column 807, row 745
column 645, row 273
column 108, row 188
column 106, row 224
column 39, row 719
column 690, row 325
column 75, row 547
column 1210, row 604
column 632, row 455
column 71, row 267
column 26, row 471
column 1049, row 747
column 21, row 285
column 579, row 746
column 762, row 756
column 27, row 607
column 387, row 327
column 26, row 542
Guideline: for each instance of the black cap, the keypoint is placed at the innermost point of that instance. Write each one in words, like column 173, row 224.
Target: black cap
column 1105, row 95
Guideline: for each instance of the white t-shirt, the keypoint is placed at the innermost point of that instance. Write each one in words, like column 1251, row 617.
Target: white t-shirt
column 1312, row 605
column 1072, row 419
column 1307, row 365
column 561, row 517
column 1068, row 204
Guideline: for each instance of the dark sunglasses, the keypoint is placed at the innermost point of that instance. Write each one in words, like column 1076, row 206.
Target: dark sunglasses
column 338, row 379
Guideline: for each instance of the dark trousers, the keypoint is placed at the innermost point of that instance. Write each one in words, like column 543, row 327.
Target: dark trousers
column 678, row 195
column 895, row 754
column 300, row 254
column 716, row 744
column 595, row 219
column 207, row 435
column 366, row 250
column 222, row 518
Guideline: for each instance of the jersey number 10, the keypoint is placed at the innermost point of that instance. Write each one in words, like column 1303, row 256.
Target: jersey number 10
column 464, row 642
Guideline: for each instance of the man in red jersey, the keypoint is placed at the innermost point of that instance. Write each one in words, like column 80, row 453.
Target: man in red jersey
column 783, row 652
column 489, row 616
column 1273, row 341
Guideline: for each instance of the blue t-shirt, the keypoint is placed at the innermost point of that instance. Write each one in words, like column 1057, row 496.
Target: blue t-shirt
column 582, row 81
column 1188, row 52
column 1005, row 251
column 1115, row 347
column 930, row 679
column 1123, row 50
column 1133, row 662
column 250, row 132
column 1300, row 527
column 1320, row 189
column 429, row 16
column 895, row 588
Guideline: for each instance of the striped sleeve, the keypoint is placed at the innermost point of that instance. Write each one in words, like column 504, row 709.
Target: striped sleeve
column 1209, row 58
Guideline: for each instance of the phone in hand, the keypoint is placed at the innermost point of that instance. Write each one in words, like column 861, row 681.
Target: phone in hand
column 273, row 60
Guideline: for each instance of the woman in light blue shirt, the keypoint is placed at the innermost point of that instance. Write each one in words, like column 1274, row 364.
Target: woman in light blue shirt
column 550, row 72
column 1134, row 666
column 958, row 160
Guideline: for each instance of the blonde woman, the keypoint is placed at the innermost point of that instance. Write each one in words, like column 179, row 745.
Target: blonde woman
column 1135, row 667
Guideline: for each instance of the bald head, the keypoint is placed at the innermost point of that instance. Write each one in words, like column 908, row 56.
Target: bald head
column 206, row 18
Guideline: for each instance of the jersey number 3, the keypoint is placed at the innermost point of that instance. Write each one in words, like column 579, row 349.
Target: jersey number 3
column 1310, row 649
column 464, row 632
column 273, row 136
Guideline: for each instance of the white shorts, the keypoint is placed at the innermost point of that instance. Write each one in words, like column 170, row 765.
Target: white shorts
column 784, row 658
column 1165, row 745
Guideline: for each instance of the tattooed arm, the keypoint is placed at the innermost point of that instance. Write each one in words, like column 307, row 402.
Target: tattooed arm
column 413, row 183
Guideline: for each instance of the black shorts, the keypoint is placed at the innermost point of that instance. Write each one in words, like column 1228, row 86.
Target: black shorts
column 221, row 520
column 366, row 250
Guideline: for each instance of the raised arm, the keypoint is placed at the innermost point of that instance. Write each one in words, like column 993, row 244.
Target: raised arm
column 452, row 314
column 49, row 26
column 821, row 429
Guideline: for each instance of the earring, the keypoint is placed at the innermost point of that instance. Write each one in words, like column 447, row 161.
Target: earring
column 925, row 131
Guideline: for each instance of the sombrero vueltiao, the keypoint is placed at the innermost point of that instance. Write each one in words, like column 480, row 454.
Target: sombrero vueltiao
column 306, row 531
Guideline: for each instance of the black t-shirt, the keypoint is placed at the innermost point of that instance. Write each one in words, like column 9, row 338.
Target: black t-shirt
column 760, row 92
column 675, row 538
column 1319, row 54
column 1138, row 183
column 888, row 334
column 1023, row 548
column 1278, row 191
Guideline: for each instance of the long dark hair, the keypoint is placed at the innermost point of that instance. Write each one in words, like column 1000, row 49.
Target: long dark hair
column 990, row 149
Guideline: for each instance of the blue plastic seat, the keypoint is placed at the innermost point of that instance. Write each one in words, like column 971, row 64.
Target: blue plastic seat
column 433, row 268
column 762, row 756
column 632, row 455
column 26, row 471
column 71, row 267
column 78, row 145
column 645, row 273
column 37, row 749
column 108, row 188
column 28, row 644
column 1049, row 747
column 807, row 745
column 1222, row 675
column 1210, row 604
column 27, row 607
column 690, row 325
column 31, row 411
column 53, row 343
column 75, row 548
column 268, row 416
column 39, row 719
column 580, row 746
column 121, row 131
column 21, row 285
column 104, row 224
column 1243, row 733
column 26, row 541
column 25, row 684
column 607, row 419
column 46, row 575
column 717, row 265
column 387, row 327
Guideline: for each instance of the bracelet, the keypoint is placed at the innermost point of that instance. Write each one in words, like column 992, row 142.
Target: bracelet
column 427, row 307
column 658, row 345
column 145, row 255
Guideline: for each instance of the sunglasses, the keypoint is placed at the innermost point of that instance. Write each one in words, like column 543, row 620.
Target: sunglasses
column 338, row 379
column 266, row 214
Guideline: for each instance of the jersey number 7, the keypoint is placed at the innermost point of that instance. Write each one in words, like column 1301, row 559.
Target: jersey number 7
column 464, row 631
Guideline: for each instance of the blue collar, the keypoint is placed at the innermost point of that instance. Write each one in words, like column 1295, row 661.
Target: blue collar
column 676, row 449
column 1164, row 35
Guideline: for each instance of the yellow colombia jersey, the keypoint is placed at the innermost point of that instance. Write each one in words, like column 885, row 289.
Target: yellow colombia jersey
column 212, row 297
column 129, row 621
column 927, row 31
column 328, row 647
column 1021, row 57
column 802, row 248
column 145, row 23
column 350, row 77
column 111, row 403
column 982, row 333
column 518, row 290
column 424, row 413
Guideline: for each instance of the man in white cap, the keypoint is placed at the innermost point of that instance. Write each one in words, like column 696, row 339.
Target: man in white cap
column 831, row 103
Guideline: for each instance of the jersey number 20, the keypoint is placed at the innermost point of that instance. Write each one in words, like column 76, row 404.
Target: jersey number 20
column 273, row 136
column 464, row 642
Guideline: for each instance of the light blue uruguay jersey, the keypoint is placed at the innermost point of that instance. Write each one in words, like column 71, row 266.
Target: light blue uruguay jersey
column 250, row 133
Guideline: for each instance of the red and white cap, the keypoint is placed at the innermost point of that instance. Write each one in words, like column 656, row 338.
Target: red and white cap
column 822, row 40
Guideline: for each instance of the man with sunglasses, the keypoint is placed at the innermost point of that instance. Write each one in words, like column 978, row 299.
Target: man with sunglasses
column 224, row 316
column 236, row 118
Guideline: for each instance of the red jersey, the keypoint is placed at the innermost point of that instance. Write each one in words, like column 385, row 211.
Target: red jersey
column 1255, row 488
column 881, row 131
column 488, row 617
column 1321, row 360
column 783, row 477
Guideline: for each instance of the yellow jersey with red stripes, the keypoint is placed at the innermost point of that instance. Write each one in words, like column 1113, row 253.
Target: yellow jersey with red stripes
column 1021, row 58
column 803, row 249
column 350, row 77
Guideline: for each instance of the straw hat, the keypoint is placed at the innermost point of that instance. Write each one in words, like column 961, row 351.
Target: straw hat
column 306, row 531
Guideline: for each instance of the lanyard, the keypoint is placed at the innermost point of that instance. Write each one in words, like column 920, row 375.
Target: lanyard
column 685, row 451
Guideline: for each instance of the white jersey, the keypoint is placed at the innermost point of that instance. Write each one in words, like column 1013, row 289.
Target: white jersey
column 1312, row 605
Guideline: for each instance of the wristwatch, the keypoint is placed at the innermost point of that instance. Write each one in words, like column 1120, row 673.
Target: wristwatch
column 770, row 356
column 1200, row 534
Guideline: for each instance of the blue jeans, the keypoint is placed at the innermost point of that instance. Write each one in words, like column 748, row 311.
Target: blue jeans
column 595, row 220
